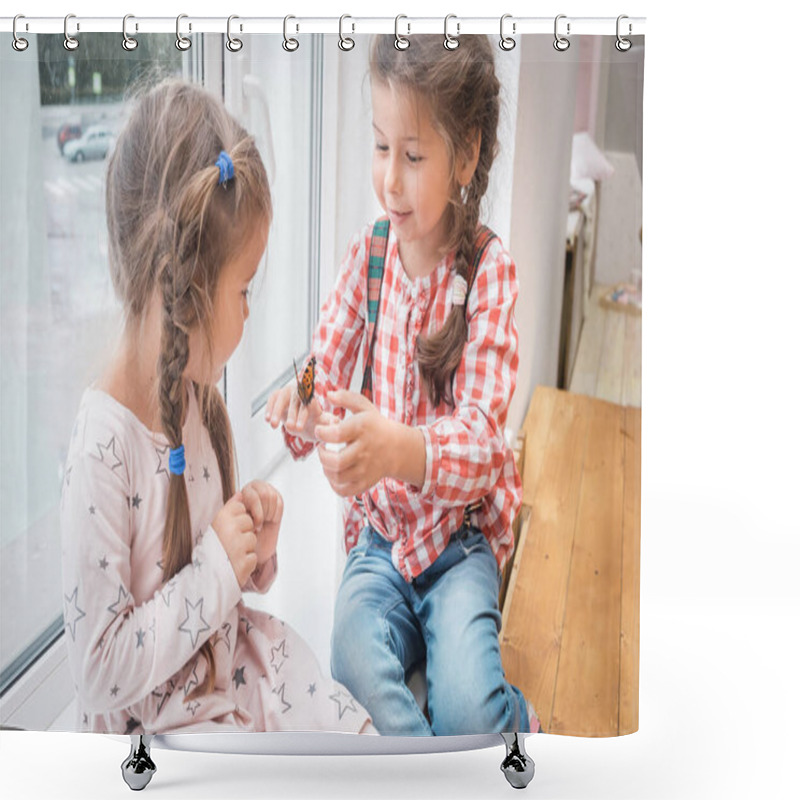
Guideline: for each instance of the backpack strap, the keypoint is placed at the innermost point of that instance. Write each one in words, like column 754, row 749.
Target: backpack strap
column 377, row 260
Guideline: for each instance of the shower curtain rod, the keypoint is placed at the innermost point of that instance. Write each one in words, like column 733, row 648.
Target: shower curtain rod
column 512, row 26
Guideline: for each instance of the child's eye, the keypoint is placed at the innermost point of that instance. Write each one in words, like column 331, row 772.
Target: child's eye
column 384, row 148
column 414, row 159
column 246, row 293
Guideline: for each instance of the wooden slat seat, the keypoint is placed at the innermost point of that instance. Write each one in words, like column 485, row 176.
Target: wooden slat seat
column 570, row 634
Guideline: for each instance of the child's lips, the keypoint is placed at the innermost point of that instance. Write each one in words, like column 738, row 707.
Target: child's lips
column 399, row 217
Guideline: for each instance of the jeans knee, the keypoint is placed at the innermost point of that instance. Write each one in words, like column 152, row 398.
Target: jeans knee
column 463, row 712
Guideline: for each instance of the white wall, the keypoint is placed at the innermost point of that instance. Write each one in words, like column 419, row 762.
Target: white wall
column 546, row 108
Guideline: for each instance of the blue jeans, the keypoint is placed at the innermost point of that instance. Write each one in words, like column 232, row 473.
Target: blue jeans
column 448, row 616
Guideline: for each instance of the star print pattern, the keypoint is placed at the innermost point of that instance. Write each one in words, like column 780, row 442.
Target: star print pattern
column 72, row 614
column 132, row 725
column 167, row 689
column 192, row 683
column 344, row 701
column 163, row 461
column 238, row 677
column 123, row 597
column 169, row 588
column 194, row 622
column 108, row 453
column 223, row 635
column 278, row 656
column 119, row 612
column 281, row 692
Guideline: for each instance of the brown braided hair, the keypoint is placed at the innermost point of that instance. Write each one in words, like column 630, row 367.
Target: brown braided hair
column 462, row 93
column 172, row 228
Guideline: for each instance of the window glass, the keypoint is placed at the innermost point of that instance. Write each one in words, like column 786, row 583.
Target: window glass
column 58, row 313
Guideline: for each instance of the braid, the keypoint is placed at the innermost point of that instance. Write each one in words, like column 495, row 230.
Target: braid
column 463, row 94
column 172, row 362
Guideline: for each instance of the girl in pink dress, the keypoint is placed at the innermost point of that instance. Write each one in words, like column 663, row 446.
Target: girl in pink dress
column 158, row 543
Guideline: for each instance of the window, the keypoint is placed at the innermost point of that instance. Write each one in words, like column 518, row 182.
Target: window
column 285, row 297
column 58, row 310
column 58, row 314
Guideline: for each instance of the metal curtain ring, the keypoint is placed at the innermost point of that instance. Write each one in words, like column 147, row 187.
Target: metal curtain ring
column 289, row 45
column 345, row 42
column 561, row 43
column 623, row 45
column 70, row 43
column 233, row 44
column 18, row 43
column 181, row 42
column 451, row 42
column 401, row 42
column 128, row 43
column 506, row 42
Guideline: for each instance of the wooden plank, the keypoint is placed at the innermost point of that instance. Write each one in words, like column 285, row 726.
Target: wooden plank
column 519, row 460
column 609, row 375
column 631, row 548
column 632, row 363
column 586, row 701
column 524, row 518
column 531, row 637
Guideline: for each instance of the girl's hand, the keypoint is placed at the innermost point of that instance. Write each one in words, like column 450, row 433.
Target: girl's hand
column 236, row 533
column 367, row 437
column 284, row 406
column 264, row 504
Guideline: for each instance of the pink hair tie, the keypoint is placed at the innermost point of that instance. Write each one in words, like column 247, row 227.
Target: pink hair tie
column 459, row 291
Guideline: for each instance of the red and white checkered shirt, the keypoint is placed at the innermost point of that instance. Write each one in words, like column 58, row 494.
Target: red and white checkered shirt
column 466, row 456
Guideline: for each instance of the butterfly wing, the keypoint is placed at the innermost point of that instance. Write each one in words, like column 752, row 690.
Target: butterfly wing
column 305, row 385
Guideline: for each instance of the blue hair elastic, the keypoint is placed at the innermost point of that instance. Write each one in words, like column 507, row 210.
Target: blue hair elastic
column 225, row 164
column 177, row 461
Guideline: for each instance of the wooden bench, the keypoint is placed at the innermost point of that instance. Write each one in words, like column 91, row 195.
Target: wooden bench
column 570, row 633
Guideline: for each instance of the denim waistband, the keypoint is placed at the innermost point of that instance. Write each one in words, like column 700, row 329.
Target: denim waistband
column 466, row 530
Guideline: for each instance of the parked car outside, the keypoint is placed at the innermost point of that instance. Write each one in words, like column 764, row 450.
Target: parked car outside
column 67, row 132
column 96, row 142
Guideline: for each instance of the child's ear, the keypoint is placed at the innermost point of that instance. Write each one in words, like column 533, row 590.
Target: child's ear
column 468, row 161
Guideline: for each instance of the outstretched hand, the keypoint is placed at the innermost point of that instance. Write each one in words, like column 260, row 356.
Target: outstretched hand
column 284, row 407
column 361, row 444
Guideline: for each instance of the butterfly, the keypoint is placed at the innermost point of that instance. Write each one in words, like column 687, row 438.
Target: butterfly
column 305, row 385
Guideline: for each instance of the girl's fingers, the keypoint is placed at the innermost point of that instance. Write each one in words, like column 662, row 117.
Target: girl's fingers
column 252, row 501
column 302, row 417
column 246, row 524
column 291, row 414
column 271, row 501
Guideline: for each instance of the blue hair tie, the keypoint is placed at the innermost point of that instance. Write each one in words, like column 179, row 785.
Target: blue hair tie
column 225, row 164
column 177, row 462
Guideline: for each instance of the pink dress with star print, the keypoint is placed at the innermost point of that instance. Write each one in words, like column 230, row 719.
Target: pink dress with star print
column 133, row 642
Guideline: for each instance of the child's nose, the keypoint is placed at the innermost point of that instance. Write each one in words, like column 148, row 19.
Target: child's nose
column 392, row 182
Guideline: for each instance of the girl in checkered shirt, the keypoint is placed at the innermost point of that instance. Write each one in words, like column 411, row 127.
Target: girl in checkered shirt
column 425, row 297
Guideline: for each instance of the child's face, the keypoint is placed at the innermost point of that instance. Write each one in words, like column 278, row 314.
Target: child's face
column 411, row 171
column 231, row 308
